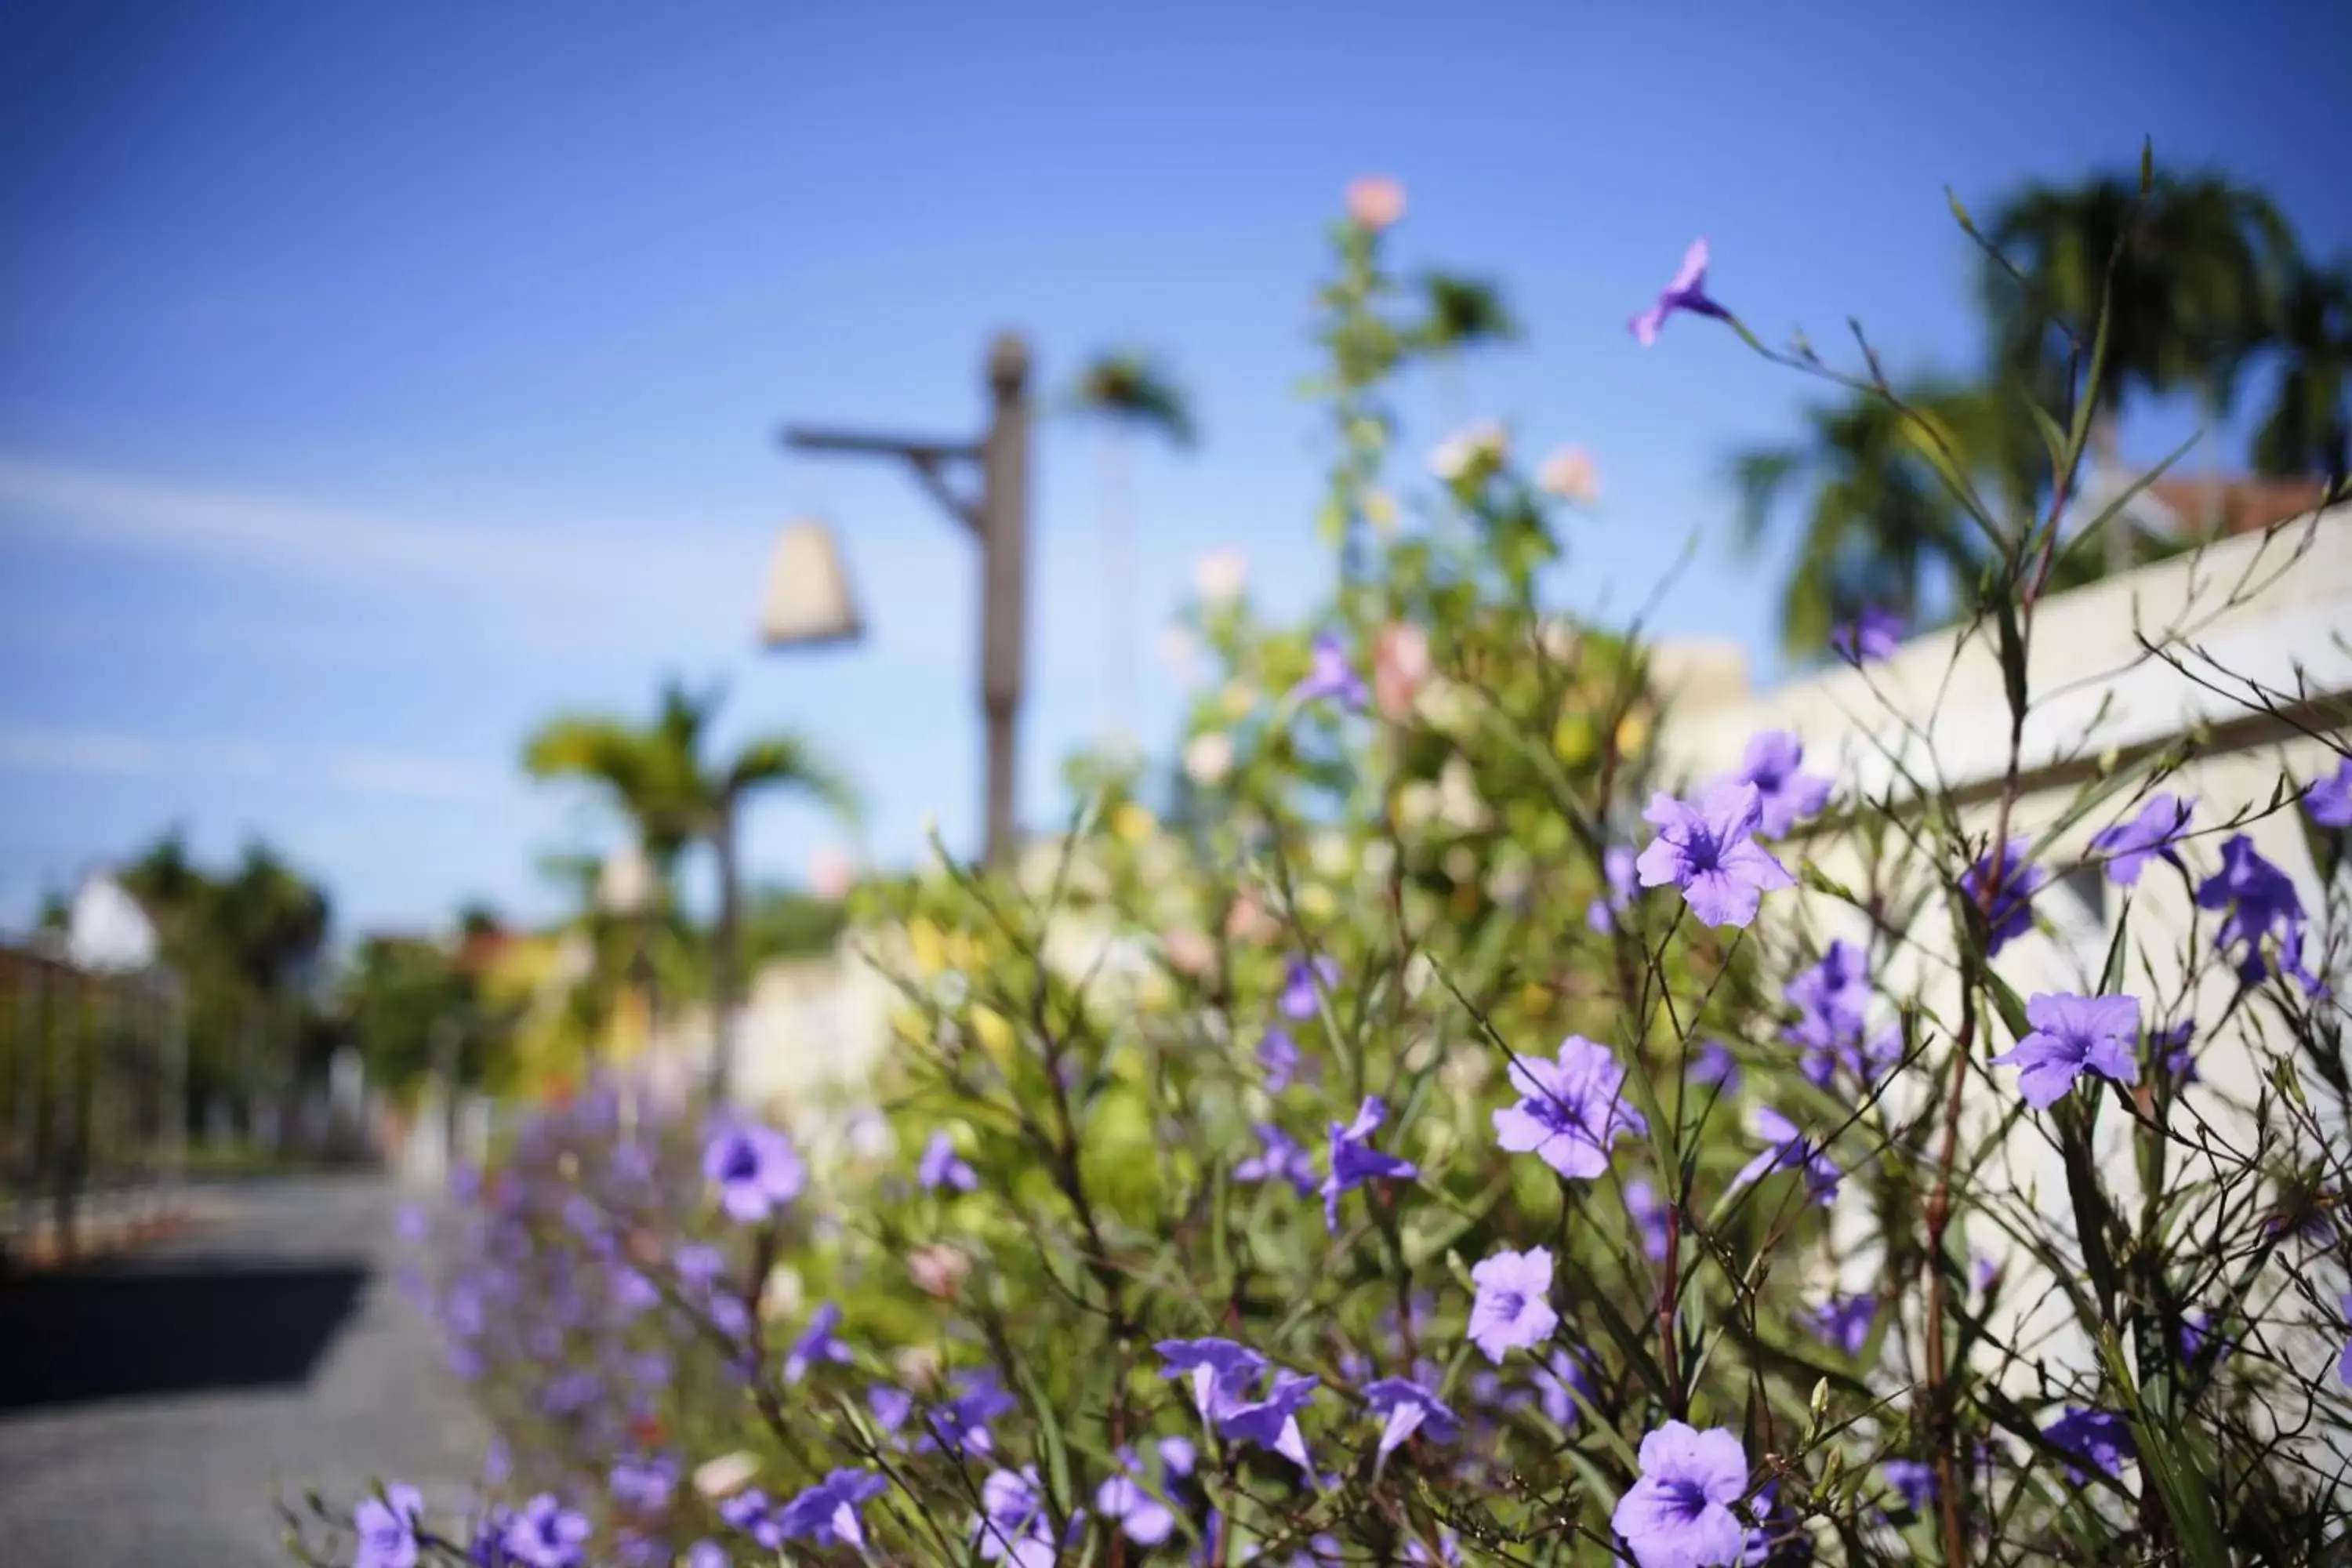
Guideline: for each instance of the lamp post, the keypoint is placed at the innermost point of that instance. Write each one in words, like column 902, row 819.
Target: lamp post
column 808, row 598
column 624, row 890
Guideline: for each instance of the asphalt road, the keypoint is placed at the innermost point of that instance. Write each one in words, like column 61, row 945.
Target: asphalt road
column 151, row 1409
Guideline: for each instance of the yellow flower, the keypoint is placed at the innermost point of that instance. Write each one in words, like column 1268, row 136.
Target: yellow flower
column 1572, row 739
column 1237, row 699
column 926, row 947
column 996, row 1031
column 1316, row 903
column 1632, row 731
column 1132, row 823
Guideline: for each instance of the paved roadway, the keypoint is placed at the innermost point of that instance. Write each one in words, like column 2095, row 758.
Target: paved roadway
column 152, row 1409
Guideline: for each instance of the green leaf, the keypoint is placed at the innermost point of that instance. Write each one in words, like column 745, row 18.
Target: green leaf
column 1960, row 214
column 2010, row 1005
column 2089, row 1200
column 2111, row 973
column 2012, row 661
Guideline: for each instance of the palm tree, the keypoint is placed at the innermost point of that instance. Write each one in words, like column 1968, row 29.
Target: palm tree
column 660, row 778
column 1880, row 526
column 2188, row 275
column 1459, row 314
column 1125, row 391
column 2303, row 431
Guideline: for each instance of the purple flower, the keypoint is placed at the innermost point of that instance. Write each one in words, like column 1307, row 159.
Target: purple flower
column 2073, row 1035
column 1832, row 1002
column 412, row 1224
column 1013, row 1528
column 1405, row 1407
column 2261, row 899
column 1177, row 1456
column 1686, row 292
column 387, row 1527
column 1449, row 1550
column 751, row 1512
column 699, row 1263
column 1713, row 1063
column 1278, row 1057
column 1678, row 1515
column 890, row 1406
column 706, row 1554
column 2168, row 1049
column 1869, row 638
column 2130, row 846
column 1618, row 877
column 1778, row 1540
column 1842, row 1322
column 1647, row 1210
column 1513, row 1308
column 826, row 1513
column 1300, row 982
column 961, row 1426
column 2329, row 800
column 633, row 1293
column 2015, row 884
column 1354, row 1161
column 2344, row 1367
column 1787, row 1149
column 1272, row 1422
column 1220, row 1370
column 816, row 1345
column 1123, row 1499
column 941, row 1166
column 643, row 1484
column 573, row 1392
column 2100, row 1439
column 754, row 1169
column 1785, row 795
column 1282, row 1161
column 2199, row 1329
column 1329, row 675
column 1709, row 852
column 1569, row 1110
column 1558, row 1378
column 1914, row 1481
column 543, row 1534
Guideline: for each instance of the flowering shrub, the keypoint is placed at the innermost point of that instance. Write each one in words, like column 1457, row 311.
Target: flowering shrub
column 1438, row 1142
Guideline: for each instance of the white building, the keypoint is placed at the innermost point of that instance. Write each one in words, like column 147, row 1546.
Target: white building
column 2242, row 653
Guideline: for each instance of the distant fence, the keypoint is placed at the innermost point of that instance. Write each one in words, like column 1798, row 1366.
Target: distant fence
column 93, row 1094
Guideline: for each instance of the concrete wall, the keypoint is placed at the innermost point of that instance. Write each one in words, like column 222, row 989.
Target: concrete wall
column 2274, row 612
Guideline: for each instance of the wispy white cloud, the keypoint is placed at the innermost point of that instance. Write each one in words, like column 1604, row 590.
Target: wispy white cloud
column 534, row 587
column 399, row 775
column 270, row 534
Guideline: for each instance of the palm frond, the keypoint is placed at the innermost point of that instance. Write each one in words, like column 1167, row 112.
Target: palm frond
column 1460, row 312
column 1130, row 387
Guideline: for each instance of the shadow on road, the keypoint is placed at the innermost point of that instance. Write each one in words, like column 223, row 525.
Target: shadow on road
column 193, row 1326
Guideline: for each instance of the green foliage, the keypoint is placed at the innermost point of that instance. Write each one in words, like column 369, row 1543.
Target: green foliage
column 1413, row 896
column 2191, row 284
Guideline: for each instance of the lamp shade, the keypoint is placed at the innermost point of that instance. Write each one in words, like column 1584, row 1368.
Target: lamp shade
column 808, row 600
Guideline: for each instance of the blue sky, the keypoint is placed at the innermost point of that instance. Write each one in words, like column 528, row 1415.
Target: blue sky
column 374, row 380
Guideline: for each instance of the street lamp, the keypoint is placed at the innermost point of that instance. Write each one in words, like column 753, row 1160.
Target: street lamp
column 624, row 890
column 809, row 602
column 808, row 599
